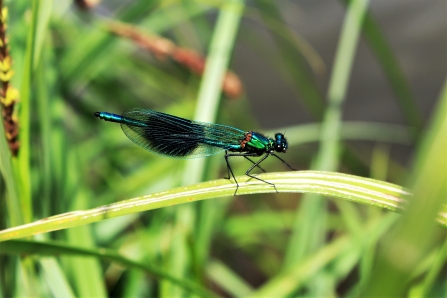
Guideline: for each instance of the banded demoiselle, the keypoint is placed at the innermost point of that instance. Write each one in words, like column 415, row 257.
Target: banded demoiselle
column 177, row 137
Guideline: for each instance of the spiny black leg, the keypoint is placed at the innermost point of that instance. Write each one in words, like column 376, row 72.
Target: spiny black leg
column 245, row 156
column 283, row 161
column 254, row 163
column 228, row 166
column 230, row 170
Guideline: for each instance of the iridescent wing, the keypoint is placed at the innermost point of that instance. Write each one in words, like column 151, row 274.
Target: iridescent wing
column 177, row 137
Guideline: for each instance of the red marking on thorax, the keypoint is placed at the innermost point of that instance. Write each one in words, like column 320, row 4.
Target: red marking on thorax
column 247, row 139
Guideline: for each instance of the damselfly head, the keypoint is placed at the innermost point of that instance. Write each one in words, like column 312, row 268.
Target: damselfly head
column 280, row 143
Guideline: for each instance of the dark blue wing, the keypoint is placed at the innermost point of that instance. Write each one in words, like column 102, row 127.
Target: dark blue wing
column 177, row 137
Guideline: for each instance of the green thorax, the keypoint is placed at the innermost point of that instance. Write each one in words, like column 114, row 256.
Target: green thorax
column 256, row 142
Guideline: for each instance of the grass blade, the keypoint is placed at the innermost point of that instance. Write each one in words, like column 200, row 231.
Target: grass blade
column 348, row 187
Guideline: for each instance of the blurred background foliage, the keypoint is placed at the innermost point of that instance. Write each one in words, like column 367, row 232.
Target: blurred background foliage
column 357, row 87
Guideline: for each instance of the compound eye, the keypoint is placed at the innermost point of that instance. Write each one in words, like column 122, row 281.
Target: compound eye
column 279, row 147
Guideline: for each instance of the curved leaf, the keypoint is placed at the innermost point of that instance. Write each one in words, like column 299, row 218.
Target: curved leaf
column 352, row 188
